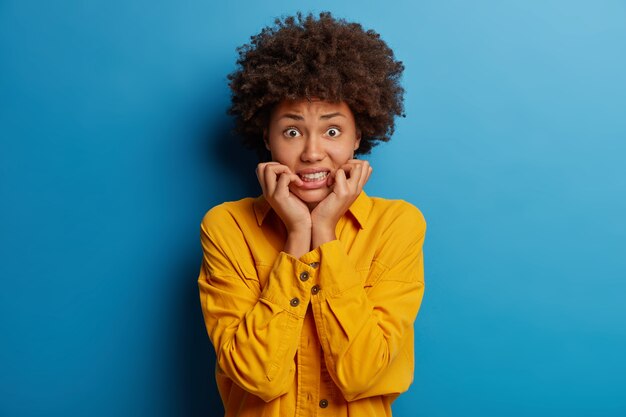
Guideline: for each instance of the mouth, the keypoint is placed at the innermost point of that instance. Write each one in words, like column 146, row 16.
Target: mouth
column 313, row 179
column 314, row 176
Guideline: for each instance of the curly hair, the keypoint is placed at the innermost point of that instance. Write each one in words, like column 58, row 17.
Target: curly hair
column 326, row 58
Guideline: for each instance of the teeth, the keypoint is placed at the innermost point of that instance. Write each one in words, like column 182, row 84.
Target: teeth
column 314, row 177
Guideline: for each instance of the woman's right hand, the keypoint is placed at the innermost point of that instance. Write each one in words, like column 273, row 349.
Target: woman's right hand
column 275, row 179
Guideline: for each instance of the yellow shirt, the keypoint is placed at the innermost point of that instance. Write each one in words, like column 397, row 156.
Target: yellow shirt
column 329, row 334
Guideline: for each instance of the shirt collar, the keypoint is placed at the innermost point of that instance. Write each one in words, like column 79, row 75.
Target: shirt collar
column 360, row 209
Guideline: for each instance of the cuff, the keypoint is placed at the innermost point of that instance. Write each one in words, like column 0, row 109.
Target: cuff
column 290, row 282
column 337, row 273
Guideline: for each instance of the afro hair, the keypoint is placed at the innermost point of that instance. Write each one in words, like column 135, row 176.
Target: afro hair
column 302, row 57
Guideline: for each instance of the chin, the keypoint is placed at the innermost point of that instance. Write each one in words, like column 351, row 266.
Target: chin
column 312, row 197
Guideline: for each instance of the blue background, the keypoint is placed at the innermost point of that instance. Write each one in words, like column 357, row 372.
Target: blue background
column 114, row 143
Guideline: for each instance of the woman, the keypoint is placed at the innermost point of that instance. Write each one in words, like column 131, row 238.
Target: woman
column 310, row 291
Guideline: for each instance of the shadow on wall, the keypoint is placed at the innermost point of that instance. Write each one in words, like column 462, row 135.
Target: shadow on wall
column 234, row 164
column 196, row 364
column 229, row 170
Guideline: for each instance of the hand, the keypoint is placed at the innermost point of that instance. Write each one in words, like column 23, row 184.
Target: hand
column 348, row 183
column 275, row 179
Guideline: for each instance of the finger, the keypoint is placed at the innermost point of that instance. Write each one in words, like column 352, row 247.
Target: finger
column 365, row 175
column 296, row 179
column 271, row 174
column 341, row 182
column 369, row 174
column 281, row 171
column 282, row 185
column 349, row 166
column 355, row 176
column 353, row 163
column 330, row 180
column 260, row 174
column 285, row 179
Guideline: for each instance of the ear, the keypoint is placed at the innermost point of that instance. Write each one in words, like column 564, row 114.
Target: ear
column 265, row 140
column 358, row 140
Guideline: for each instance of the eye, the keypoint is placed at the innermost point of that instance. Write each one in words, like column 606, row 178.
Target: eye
column 291, row 132
column 333, row 132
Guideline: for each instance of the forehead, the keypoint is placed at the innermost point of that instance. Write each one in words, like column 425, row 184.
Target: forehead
column 310, row 108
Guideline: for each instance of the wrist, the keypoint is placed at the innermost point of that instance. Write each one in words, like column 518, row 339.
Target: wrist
column 321, row 234
column 299, row 229
column 298, row 242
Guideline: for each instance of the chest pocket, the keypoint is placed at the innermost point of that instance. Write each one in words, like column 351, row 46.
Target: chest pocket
column 263, row 273
column 372, row 274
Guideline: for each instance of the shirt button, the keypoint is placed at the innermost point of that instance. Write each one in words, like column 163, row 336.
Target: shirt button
column 314, row 264
column 304, row 276
column 315, row 289
column 294, row 302
column 323, row 403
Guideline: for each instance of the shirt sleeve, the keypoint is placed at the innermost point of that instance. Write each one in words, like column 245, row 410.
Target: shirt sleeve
column 363, row 329
column 255, row 332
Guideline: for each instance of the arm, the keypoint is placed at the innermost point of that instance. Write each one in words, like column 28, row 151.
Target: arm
column 255, row 332
column 362, row 330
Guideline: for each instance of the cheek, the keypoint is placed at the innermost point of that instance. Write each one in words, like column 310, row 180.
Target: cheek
column 343, row 154
column 282, row 155
column 278, row 151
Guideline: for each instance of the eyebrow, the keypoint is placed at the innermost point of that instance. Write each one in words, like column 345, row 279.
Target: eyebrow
column 322, row 117
column 331, row 115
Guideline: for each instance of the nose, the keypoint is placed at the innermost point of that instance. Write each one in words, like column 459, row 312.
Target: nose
column 313, row 150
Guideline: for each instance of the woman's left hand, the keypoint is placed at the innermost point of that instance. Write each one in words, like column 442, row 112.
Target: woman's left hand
column 348, row 184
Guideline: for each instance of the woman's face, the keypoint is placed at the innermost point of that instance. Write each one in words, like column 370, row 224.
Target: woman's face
column 313, row 139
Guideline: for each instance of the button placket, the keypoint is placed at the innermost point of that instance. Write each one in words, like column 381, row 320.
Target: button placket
column 305, row 276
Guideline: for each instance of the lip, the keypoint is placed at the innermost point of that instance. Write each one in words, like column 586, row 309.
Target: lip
column 312, row 185
column 312, row 170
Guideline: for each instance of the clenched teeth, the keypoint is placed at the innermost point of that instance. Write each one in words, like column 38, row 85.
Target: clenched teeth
column 314, row 177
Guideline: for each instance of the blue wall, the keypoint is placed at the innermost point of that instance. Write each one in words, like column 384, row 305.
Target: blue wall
column 114, row 142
